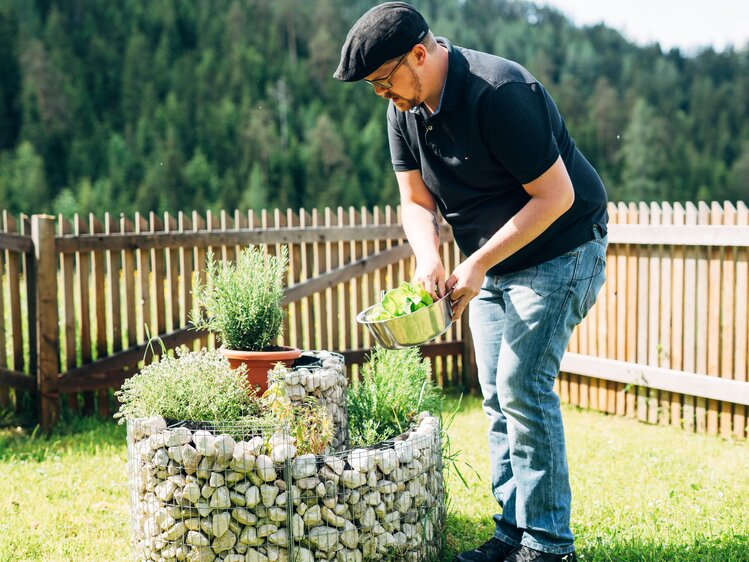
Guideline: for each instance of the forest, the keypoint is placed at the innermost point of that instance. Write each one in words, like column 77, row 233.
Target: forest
column 170, row 105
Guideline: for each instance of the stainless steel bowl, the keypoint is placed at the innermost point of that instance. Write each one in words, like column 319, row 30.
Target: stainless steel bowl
column 412, row 329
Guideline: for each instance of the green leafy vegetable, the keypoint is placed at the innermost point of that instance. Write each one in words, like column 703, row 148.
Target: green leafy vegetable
column 403, row 300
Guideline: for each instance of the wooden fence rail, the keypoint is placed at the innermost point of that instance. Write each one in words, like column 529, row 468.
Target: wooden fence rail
column 666, row 342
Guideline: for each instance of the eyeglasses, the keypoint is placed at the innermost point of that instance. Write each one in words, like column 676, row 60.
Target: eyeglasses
column 385, row 82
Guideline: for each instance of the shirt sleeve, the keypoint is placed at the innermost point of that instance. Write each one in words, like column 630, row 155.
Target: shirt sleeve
column 518, row 130
column 400, row 153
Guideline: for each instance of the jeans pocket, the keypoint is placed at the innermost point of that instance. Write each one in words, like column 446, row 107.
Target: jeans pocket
column 550, row 276
column 595, row 282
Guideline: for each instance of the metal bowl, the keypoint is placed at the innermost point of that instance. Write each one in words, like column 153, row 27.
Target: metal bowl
column 412, row 329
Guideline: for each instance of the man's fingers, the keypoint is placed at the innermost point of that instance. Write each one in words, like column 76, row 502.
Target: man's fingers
column 458, row 307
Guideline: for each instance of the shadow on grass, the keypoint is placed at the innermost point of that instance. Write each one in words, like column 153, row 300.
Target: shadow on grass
column 465, row 533
column 87, row 435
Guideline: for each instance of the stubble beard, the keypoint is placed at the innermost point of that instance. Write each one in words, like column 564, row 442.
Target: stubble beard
column 404, row 104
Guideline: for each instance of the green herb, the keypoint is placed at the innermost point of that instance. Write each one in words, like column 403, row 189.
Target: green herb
column 403, row 300
column 189, row 386
column 309, row 422
column 241, row 302
column 395, row 386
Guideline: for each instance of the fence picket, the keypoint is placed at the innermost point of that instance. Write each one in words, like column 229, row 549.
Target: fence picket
column 83, row 292
column 653, row 312
column 171, row 289
column 129, row 274
column 100, row 323
column 679, row 305
column 727, row 319
column 741, row 361
column 702, row 327
column 158, row 277
column 713, row 318
column 664, row 340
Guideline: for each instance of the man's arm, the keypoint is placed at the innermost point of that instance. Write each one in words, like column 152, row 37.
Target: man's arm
column 551, row 195
column 420, row 221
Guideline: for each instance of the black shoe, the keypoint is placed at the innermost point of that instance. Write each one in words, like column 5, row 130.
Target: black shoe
column 493, row 550
column 526, row 554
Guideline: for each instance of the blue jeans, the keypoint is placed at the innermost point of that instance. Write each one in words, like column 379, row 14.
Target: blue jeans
column 521, row 324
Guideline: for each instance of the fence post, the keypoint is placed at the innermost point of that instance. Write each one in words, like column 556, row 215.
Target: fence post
column 47, row 328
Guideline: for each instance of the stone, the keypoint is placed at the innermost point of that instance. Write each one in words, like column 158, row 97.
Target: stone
column 336, row 465
column 282, row 453
column 303, row 466
column 255, row 556
column 349, row 537
column 190, row 457
column 308, row 483
column 362, row 460
column 224, row 447
column 201, row 554
column 279, row 538
column 191, row 492
column 195, row 538
column 252, row 496
column 177, row 437
column 175, row 532
column 243, row 516
column 220, row 499
column 243, row 458
column 313, row 516
column 250, row 538
column 224, row 542
column 220, row 523
column 149, row 426
column 277, row 514
column 353, row 478
column 387, row 461
column 216, row 480
column 404, row 451
column 304, row 555
column 265, row 469
column 165, row 490
column 204, row 443
column 268, row 493
column 324, row 538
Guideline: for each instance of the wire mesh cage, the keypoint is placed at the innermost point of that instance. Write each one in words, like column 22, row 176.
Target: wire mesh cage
column 379, row 503
column 238, row 493
column 203, row 491
column 322, row 376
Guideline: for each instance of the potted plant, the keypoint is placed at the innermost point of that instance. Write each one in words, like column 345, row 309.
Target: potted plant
column 241, row 303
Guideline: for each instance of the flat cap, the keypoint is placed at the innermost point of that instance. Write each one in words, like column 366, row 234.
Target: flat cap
column 383, row 33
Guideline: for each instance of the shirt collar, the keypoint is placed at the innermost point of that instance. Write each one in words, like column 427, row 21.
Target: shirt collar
column 452, row 89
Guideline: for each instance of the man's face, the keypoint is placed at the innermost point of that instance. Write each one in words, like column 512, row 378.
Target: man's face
column 404, row 85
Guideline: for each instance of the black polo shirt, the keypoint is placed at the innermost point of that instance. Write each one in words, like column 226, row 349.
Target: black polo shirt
column 496, row 128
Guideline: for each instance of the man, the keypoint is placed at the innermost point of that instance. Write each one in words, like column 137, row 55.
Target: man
column 477, row 138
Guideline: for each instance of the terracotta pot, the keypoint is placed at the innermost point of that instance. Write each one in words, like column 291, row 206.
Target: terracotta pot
column 260, row 362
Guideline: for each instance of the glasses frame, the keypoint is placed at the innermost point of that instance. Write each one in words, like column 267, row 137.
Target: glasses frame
column 385, row 82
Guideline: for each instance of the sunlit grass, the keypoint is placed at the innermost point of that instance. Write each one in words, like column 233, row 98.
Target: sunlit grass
column 641, row 493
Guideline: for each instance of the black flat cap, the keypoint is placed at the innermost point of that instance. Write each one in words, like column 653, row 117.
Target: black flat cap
column 383, row 33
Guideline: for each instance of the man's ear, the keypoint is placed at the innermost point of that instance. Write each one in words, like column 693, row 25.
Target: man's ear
column 419, row 53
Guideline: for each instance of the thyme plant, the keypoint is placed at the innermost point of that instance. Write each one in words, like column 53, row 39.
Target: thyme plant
column 195, row 386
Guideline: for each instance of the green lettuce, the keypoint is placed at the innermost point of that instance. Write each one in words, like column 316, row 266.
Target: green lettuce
column 403, row 300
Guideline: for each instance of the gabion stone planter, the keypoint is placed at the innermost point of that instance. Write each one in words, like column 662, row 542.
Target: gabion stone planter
column 230, row 493
column 322, row 374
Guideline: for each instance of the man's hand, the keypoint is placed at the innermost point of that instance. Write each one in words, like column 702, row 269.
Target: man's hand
column 465, row 281
column 432, row 276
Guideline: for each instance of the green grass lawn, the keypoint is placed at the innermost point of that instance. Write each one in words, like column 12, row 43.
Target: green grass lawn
column 640, row 492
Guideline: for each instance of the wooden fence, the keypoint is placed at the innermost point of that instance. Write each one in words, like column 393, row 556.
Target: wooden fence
column 666, row 342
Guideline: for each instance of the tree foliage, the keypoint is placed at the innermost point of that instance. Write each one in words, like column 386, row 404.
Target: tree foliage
column 173, row 105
